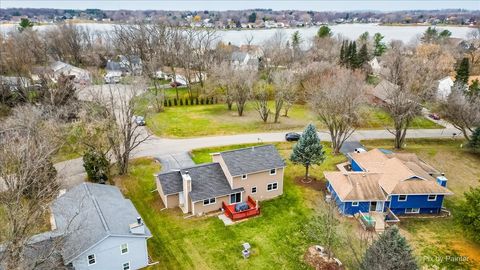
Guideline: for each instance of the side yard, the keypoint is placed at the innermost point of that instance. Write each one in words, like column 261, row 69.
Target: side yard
column 277, row 236
column 437, row 240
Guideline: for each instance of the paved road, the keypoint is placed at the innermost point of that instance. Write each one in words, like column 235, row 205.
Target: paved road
column 175, row 161
column 71, row 172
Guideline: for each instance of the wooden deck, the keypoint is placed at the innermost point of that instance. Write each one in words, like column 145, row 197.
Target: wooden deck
column 253, row 210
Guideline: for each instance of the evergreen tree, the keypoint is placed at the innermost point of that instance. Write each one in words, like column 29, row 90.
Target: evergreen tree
column 324, row 32
column 474, row 88
column 308, row 151
column 96, row 165
column 363, row 55
column 463, row 72
column 474, row 142
column 296, row 41
column 378, row 44
column 342, row 53
column 252, row 17
column 469, row 213
column 390, row 251
column 24, row 24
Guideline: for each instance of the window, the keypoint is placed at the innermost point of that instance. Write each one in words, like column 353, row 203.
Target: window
column 126, row 266
column 402, row 198
column 273, row 171
column 235, row 198
column 254, row 190
column 432, row 198
column 124, row 248
column 244, row 176
column 412, row 210
column 209, row 201
column 91, row 259
column 354, row 203
column 272, row 186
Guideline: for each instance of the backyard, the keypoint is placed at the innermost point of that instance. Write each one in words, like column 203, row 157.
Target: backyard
column 443, row 238
column 216, row 119
column 276, row 236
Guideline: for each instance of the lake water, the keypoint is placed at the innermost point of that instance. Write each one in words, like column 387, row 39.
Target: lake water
column 351, row 31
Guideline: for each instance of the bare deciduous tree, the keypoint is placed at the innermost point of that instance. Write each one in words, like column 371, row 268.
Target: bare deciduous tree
column 222, row 75
column 261, row 95
column 462, row 109
column 242, row 84
column 336, row 95
column 285, row 84
column 27, row 179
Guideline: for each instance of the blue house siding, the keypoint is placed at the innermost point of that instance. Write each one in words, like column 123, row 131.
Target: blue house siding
column 416, row 201
column 355, row 166
column 339, row 202
column 352, row 210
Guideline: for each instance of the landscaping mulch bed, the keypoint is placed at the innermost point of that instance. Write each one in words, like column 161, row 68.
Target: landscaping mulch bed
column 314, row 184
column 320, row 261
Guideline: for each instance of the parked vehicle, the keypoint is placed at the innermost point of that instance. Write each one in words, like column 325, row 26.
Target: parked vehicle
column 434, row 116
column 175, row 84
column 292, row 136
column 140, row 120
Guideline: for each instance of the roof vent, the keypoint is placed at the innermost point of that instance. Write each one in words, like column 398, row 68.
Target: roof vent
column 443, row 174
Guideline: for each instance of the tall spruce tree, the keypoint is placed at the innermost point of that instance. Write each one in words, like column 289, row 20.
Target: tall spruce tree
column 390, row 251
column 362, row 55
column 342, row 53
column 378, row 44
column 308, row 151
column 474, row 142
column 463, row 71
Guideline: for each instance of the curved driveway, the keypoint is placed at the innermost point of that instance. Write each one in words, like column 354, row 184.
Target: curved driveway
column 71, row 172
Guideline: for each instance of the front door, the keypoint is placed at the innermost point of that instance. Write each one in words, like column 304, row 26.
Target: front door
column 379, row 207
column 373, row 206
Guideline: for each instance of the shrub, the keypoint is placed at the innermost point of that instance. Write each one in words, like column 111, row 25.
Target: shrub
column 169, row 103
column 181, row 102
column 207, row 101
column 96, row 165
column 175, row 102
column 196, row 101
column 474, row 143
column 201, row 101
column 186, row 101
column 165, row 103
column 191, row 101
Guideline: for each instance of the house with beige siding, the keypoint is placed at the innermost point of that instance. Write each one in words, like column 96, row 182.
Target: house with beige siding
column 233, row 182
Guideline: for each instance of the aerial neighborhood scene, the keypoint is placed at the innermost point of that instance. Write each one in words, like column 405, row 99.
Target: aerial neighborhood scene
column 239, row 134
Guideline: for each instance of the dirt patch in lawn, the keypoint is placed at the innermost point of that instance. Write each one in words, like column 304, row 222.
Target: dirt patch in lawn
column 319, row 260
column 314, row 183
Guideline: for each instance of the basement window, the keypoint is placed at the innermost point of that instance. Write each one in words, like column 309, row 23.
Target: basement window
column 412, row 210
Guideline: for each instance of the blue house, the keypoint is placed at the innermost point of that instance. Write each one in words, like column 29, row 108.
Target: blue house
column 379, row 182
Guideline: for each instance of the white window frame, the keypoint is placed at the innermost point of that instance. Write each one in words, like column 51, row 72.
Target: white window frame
column 121, row 248
column 274, row 171
column 406, row 197
column 355, row 203
column 272, row 189
column 210, row 201
column 244, row 176
column 255, row 190
column 129, row 267
column 432, row 200
column 412, row 212
column 94, row 259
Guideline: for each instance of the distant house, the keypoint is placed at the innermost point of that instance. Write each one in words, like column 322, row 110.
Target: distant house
column 80, row 75
column 244, row 61
column 15, row 83
column 132, row 64
column 375, row 66
column 98, row 229
column 381, row 181
column 379, row 94
column 444, row 87
column 236, row 177
column 181, row 77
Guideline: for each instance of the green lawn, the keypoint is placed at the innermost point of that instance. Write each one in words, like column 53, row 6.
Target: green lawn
column 205, row 120
column 277, row 237
column 443, row 237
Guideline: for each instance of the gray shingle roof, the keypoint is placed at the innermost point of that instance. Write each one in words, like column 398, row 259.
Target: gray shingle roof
column 208, row 181
column 88, row 213
column 252, row 159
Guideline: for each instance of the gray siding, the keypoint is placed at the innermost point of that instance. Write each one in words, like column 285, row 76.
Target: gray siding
column 108, row 254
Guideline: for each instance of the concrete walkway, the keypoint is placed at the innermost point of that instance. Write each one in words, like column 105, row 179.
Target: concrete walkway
column 71, row 172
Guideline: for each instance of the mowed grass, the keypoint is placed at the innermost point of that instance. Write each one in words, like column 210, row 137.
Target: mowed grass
column 438, row 240
column 277, row 236
column 216, row 119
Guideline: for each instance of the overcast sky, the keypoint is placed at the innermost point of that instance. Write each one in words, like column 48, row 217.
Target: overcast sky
column 229, row 5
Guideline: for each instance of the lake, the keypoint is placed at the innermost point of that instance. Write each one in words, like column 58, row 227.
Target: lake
column 350, row 31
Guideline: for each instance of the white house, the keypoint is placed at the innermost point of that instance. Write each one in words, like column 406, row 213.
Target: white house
column 244, row 61
column 444, row 87
column 97, row 229
column 80, row 75
column 375, row 65
column 113, row 76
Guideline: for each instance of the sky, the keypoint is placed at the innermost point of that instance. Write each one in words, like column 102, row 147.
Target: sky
column 322, row 5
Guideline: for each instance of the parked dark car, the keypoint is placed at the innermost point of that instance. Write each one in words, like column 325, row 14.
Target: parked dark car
column 140, row 120
column 434, row 116
column 292, row 136
column 175, row 84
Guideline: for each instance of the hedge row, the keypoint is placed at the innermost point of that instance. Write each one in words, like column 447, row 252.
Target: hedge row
column 189, row 101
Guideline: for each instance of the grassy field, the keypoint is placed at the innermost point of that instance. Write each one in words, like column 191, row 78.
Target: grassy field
column 205, row 120
column 440, row 238
column 277, row 236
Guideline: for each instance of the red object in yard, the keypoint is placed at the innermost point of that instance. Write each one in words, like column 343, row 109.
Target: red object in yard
column 253, row 210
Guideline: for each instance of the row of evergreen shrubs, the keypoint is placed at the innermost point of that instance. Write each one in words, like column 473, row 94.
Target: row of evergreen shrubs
column 189, row 101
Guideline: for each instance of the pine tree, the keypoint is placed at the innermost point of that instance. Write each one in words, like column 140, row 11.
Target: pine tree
column 342, row 54
column 324, row 32
column 362, row 55
column 378, row 44
column 390, row 251
column 463, row 71
column 308, row 151
column 96, row 165
column 474, row 88
column 474, row 143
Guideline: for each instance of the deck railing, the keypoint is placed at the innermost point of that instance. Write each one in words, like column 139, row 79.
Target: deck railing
column 253, row 210
column 390, row 217
column 367, row 221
